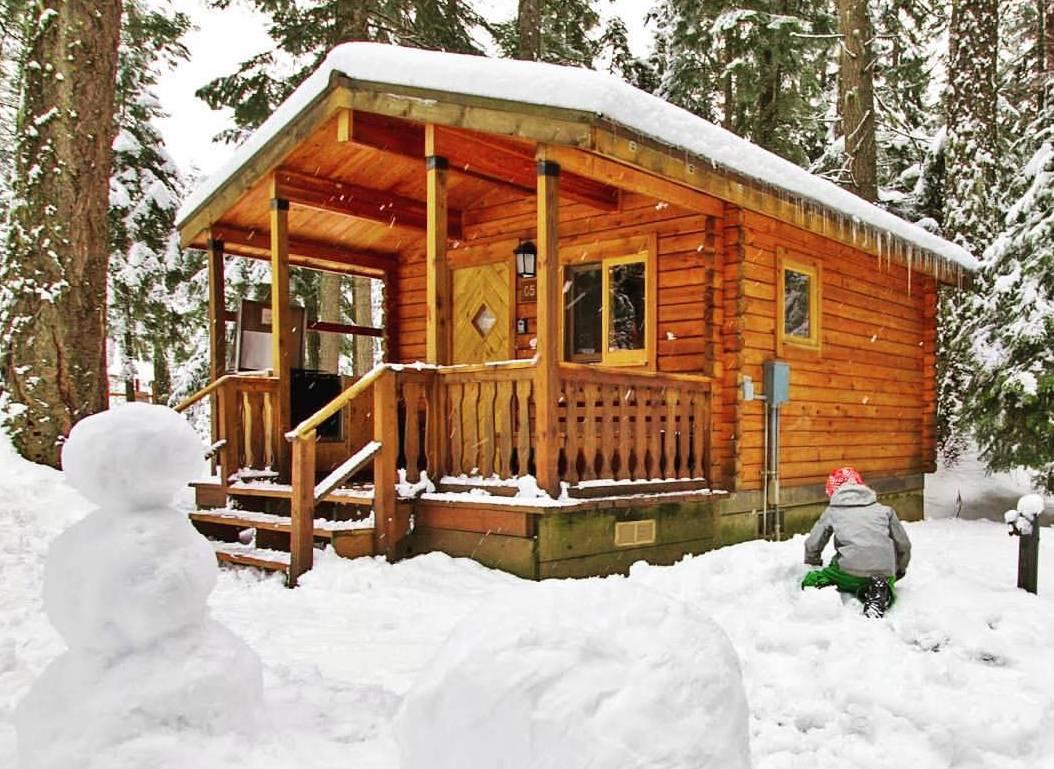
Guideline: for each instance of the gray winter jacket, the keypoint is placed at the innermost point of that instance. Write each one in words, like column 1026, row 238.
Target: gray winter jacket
column 868, row 538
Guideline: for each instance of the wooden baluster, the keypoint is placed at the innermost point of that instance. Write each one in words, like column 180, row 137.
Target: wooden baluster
column 470, row 427
column 485, row 433
column 589, row 432
column 228, row 422
column 572, row 394
column 256, row 419
column 655, row 396
column 271, row 433
column 302, row 508
column 245, row 416
column 623, row 394
column 455, row 393
column 523, row 425
column 640, row 433
column 670, row 437
column 436, row 431
column 683, row 432
column 503, row 427
column 606, row 429
column 412, row 431
column 699, row 428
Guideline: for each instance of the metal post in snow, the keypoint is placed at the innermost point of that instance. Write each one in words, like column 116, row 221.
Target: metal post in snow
column 1024, row 523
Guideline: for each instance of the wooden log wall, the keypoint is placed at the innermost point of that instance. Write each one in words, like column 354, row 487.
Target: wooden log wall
column 688, row 243
column 866, row 397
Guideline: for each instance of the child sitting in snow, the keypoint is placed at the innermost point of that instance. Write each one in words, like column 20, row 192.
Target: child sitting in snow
column 872, row 549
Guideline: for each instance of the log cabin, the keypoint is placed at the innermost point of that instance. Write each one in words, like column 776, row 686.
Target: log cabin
column 611, row 330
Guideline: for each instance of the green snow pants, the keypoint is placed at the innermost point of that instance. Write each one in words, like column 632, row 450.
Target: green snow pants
column 846, row 583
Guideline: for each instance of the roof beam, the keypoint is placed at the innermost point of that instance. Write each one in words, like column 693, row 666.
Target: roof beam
column 355, row 200
column 481, row 156
column 306, row 253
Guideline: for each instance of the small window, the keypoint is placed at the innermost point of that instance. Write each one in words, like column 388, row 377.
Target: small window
column 584, row 317
column 798, row 299
column 606, row 311
column 625, row 310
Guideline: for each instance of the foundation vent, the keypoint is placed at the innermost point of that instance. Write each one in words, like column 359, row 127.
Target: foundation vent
column 635, row 533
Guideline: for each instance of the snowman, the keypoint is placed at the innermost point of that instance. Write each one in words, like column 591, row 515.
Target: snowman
column 126, row 588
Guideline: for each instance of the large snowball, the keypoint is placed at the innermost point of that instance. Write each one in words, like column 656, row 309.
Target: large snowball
column 132, row 457
column 85, row 705
column 569, row 674
column 117, row 582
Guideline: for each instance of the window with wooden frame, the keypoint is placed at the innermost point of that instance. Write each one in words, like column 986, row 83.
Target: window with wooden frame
column 798, row 297
column 609, row 310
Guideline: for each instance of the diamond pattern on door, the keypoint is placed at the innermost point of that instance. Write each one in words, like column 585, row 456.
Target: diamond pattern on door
column 484, row 320
column 481, row 313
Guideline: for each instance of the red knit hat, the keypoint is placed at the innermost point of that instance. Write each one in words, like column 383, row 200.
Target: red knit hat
column 842, row 475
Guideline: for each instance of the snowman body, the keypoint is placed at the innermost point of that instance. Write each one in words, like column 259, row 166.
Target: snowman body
column 127, row 588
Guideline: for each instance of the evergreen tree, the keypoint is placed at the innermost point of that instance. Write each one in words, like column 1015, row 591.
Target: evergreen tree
column 556, row 31
column 148, row 269
column 757, row 67
column 12, row 15
column 304, row 32
column 909, row 121
column 1010, row 394
column 970, row 194
column 54, row 271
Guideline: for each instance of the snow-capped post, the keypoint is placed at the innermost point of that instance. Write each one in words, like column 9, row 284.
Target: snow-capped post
column 1024, row 523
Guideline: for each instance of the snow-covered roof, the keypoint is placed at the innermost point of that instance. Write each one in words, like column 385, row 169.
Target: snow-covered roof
column 582, row 90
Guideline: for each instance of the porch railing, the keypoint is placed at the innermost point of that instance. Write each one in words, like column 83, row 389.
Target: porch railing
column 246, row 431
column 614, row 424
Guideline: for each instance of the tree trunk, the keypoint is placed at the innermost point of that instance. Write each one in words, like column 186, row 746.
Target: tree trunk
column 330, row 293
column 161, row 390
column 529, row 24
column 971, row 218
column 53, row 313
column 856, row 97
column 362, row 314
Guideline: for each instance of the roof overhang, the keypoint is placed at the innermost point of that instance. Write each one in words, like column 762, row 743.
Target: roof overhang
column 546, row 125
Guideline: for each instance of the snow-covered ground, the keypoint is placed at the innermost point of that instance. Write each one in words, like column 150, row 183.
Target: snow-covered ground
column 959, row 674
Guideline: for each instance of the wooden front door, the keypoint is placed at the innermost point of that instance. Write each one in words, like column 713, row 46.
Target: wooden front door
column 482, row 322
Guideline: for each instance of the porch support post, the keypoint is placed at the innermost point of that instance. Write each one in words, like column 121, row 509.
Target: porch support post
column 437, row 326
column 547, row 382
column 217, row 328
column 388, row 526
column 281, row 325
column 302, row 507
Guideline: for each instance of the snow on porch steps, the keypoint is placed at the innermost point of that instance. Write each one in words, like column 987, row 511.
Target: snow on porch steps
column 349, row 539
column 246, row 555
column 362, row 495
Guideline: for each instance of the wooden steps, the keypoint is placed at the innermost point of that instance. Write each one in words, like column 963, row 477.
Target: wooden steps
column 245, row 555
column 349, row 539
column 354, row 496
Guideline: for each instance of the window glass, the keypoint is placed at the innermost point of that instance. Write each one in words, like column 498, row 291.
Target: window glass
column 626, row 319
column 796, row 310
column 584, row 308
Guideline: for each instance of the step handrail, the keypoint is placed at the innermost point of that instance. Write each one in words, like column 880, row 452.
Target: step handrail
column 217, row 384
column 313, row 422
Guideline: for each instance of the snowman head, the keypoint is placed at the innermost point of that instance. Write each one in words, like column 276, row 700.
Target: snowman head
column 132, row 457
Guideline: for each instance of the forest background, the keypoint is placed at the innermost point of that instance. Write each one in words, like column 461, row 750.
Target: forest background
column 941, row 112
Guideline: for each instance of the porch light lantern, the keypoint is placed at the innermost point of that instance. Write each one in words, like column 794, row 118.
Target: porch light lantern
column 526, row 259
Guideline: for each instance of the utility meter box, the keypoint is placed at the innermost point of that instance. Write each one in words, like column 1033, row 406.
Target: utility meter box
column 777, row 382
